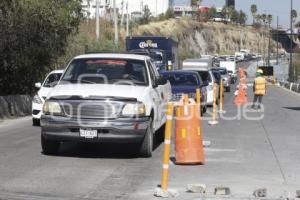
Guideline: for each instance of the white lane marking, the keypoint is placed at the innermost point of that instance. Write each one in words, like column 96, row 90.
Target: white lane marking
column 221, row 150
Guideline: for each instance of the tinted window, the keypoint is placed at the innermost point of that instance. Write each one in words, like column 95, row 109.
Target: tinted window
column 221, row 71
column 107, row 71
column 183, row 79
column 205, row 76
column 217, row 76
column 52, row 79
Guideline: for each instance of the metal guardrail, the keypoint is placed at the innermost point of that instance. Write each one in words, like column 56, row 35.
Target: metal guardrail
column 295, row 87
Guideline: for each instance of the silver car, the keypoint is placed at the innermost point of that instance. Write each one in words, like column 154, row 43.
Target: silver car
column 225, row 77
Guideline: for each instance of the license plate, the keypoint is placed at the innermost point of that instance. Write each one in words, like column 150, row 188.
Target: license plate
column 88, row 133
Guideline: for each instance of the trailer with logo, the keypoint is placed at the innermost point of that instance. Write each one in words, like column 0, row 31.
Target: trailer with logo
column 165, row 49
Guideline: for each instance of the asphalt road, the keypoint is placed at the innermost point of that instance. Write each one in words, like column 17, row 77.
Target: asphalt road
column 244, row 155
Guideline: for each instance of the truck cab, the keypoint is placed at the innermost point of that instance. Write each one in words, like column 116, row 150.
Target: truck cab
column 116, row 98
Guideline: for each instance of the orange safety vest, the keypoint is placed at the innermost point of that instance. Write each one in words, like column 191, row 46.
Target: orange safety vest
column 260, row 86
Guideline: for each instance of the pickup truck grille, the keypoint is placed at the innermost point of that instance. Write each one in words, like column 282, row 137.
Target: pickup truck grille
column 93, row 109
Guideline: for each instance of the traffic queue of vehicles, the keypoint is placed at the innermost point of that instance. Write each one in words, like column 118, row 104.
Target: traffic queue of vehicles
column 121, row 97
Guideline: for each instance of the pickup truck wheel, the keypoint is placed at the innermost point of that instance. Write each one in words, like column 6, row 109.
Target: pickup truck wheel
column 204, row 108
column 49, row 147
column 228, row 89
column 147, row 143
column 35, row 122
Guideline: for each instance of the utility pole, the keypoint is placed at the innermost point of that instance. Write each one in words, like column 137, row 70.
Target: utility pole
column 122, row 15
column 116, row 24
column 291, row 74
column 127, row 20
column 269, row 44
column 277, row 48
column 156, row 12
column 240, row 37
column 97, row 20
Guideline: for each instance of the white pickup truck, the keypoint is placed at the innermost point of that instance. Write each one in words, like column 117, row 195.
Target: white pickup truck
column 118, row 98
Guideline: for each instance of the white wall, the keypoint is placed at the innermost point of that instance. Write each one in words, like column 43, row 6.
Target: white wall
column 134, row 5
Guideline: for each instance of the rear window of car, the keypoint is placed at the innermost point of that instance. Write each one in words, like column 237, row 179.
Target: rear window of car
column 183, row 79
column 205, row 76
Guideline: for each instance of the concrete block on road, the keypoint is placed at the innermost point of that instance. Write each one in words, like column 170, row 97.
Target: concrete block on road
column 206, row 144
column 169, row 193
column 298, row 193
column 196, row 188
column 261, row 192
column 221, row 190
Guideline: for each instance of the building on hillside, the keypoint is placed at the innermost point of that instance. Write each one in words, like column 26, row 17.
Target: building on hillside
column 156, row 6
column 230, row 3
column 181, row 11
column 89, row 7
column 135, row 16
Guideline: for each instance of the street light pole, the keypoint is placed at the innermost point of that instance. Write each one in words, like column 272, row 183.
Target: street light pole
column 97, row 20
column 291, row 46
column 116, row 24
column 277, row 61
column 127, row 20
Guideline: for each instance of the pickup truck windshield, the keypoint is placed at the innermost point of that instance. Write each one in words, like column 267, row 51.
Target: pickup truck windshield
column 182, row 79
column 107, row 71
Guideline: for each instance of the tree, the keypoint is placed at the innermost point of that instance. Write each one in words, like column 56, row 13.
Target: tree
column 242, row 17
column 253, row 11
column 227, row 11
column 33, row 35
column 169, row 14
column 212, row 12
column 269, row 19
column 294, row 15
column 235, row 16
column 264, row 19
column 297, row 24
column 146, row 15
column 195, row 2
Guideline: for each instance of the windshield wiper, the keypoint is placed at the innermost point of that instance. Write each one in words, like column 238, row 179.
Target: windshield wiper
column 79, row 81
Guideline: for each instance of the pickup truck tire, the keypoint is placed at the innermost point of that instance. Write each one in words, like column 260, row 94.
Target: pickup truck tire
column 35, row 122
column 49, row 147
column 228, row 89
column 146, row 147
column 204, row 108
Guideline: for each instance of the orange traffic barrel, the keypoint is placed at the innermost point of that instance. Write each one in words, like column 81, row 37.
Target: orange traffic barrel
column 188, row 138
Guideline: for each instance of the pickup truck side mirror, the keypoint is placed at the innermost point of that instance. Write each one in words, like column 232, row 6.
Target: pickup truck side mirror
column 38, row 85
column 160, row 81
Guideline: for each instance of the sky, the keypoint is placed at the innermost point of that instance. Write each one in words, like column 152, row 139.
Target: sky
column 279, row 8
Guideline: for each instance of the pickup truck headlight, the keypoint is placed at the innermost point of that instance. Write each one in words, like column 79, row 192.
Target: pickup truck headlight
column 134, row 109
column 51, row 107
column 37, row 99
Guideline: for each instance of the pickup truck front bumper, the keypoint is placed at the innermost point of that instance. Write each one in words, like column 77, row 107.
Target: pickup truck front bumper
column 127, row 130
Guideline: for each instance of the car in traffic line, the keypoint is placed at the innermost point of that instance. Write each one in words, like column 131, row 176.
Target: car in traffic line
column 202, row 67
column 225, row 77
column 114, row 98
column 44, row 88
column 186, row 82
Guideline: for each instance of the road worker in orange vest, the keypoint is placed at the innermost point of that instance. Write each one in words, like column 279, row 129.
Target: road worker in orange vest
column 259, row 88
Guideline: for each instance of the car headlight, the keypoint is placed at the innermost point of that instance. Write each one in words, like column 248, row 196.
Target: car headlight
column 51, row 107
column 133, row 109
column 37, row 99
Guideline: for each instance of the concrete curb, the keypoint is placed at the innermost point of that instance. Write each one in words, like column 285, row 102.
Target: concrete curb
column 15, row 106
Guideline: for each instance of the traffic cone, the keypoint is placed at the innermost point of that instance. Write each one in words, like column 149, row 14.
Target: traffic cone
column 188, row 138
column 241, row 97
